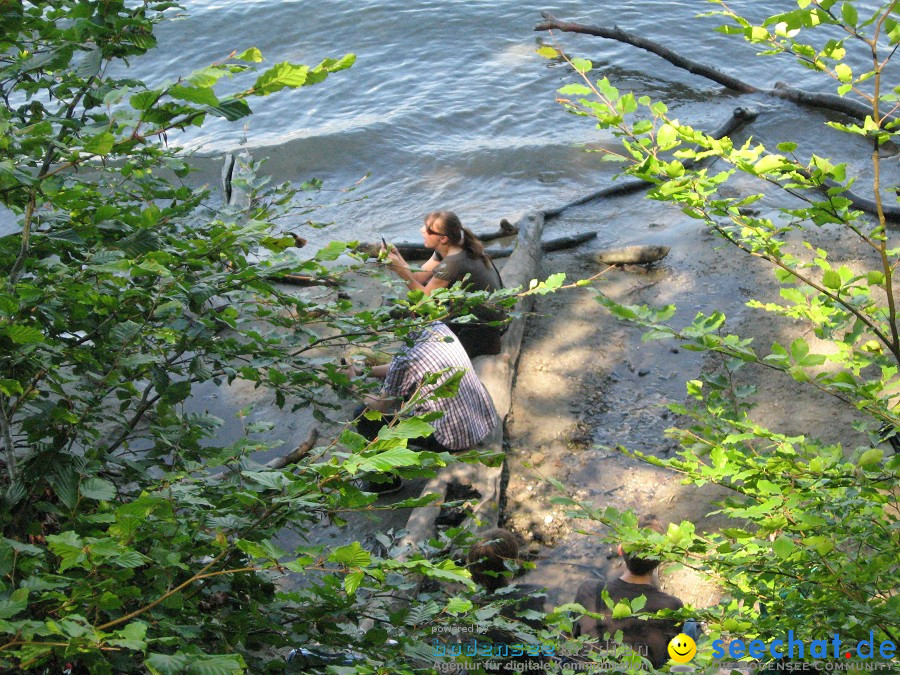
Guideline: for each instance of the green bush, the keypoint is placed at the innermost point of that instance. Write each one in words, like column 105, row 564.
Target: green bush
column 815, row 542
column 133, row 538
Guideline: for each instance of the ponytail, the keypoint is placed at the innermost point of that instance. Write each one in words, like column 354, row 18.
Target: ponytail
column 453, row 229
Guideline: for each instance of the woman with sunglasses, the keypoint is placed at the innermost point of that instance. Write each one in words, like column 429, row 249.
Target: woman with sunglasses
column 459, row 257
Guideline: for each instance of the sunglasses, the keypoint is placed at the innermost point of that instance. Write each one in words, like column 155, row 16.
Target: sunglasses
column 430, row 231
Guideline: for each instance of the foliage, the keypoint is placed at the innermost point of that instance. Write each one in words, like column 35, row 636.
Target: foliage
column 814, row 546
column 134, row 538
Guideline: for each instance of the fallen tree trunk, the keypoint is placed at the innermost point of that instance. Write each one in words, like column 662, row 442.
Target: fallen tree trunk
column 781, row 90
column 739, row 117
column 557, row 244
column 414, row 251
column 298, row 453
column 302, row 280
column 507, row 229
column 292, row 457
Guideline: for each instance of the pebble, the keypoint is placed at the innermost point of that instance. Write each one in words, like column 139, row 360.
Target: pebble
column 548, row 519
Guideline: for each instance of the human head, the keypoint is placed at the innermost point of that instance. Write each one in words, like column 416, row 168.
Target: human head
column 642, row 566
column 487, row 557
column 447, row 224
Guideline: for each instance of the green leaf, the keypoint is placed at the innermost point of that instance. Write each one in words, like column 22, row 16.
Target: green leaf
column 621, row 611
column 352, row 555
column 133, row 636
column 206, row 77
column 332, row 251
column 831, row 279
column 17, row 602
column 279, row 76
column 69, row 547
column 666, row 136
column 458, row 605
column 100, row 144
column 352, row 582
column 145, row 99
column 23, row 335
column 799, row 349
column 253, row 55
column 547, row 52
column 390, row 459
column 97, row 488
column 409, row 428
column 582, row 65
column 202, row 95
column 575, row 90
column 844, row 72
column 849, row 14
column 166, row 664
column 870, row 458
column 230, row 109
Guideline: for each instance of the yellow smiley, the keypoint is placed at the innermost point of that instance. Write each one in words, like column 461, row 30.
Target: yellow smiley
column 682, row 648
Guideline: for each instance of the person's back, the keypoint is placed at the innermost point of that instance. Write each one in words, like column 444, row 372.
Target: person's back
column 468, row 416
column 648, row 637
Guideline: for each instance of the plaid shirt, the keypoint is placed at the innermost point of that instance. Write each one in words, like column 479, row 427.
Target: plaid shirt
column 470, row 415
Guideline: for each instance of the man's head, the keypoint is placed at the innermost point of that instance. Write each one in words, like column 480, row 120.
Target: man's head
column 487, row 558
column 642, row 566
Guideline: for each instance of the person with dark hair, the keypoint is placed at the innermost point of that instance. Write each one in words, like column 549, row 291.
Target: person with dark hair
column 487, row 558
column 649, row 637
column 491, row 562
column 458, row 257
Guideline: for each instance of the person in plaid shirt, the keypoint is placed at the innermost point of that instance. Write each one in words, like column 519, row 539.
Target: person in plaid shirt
column 467, row 418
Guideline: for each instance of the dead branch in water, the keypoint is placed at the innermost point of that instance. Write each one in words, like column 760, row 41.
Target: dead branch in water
column 781, row 90
column 738, row 119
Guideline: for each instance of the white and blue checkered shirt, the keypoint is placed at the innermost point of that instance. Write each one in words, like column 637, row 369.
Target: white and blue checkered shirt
column 470, row 415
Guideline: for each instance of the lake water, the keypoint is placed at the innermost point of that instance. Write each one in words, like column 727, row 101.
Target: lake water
column 448, row 105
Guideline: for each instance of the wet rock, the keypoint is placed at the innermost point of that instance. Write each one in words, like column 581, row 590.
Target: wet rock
column 632, row 255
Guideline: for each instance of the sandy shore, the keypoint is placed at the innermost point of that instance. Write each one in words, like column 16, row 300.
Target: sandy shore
column 586, row 384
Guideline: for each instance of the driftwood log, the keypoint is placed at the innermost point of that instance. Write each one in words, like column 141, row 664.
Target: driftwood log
column 414, row 251
column 507, row 229
column 781, row 90
column 419, row 252
column 292, row 457
column 739, row 118
column 298, row 453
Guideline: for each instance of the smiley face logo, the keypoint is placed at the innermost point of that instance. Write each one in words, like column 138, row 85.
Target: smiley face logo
column 682, row 648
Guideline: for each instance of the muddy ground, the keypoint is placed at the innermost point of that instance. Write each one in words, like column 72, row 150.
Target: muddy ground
column 586, row 383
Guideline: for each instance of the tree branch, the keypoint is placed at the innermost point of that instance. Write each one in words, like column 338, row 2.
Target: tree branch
column 781, row 90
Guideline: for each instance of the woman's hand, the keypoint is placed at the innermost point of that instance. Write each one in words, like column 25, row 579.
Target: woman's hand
column 397, row 262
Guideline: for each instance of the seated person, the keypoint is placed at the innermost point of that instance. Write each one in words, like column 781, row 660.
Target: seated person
column 649, row 637
column 488, row 562
column 459, row 257
column 468, row 417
